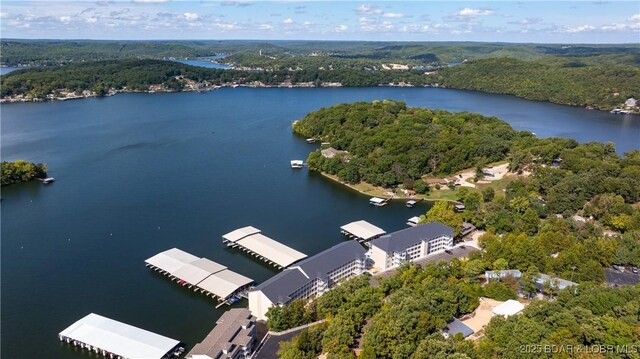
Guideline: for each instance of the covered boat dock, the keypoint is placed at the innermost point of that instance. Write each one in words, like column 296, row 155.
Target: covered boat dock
column 251, row 240
column 362, row 231
column 114, row 339
column 200, row 274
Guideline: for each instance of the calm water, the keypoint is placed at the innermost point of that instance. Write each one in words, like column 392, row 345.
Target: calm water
column 203, row 63
column 6, row 70
column 141, row 173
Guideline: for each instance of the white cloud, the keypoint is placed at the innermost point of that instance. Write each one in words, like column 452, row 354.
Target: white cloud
column 471, row 12
column 65, row 19
column 3, row 15
column 341, row 28
column 578, row 29
column 393, row 15
column 288, row 21
column 150, row 1
column 368, row 9
column 92, row 20
column 613, row 27
column 265, row 27
column 191, row 16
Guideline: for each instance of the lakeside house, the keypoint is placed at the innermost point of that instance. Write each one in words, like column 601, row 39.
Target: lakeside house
column 391, row 250
column 331, row 152
column 233, row 337
column 309, row 278
column 631, row 102
column 553, row 282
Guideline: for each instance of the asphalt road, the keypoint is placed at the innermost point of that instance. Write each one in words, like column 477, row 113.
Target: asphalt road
column 616, row 278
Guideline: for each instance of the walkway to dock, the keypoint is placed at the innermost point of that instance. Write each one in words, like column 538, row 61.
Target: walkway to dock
column 200, row 274
column 250, row 240
column 362, row 231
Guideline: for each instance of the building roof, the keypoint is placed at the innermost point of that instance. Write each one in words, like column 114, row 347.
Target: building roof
column 510, row 307
column 555, row 282
column 280, row 286
column 224, row 283
column 171, row 260
column 196, row 271
column 240, row 233
column 324, row 262
column 119, row 338
column 398, row 241
column 330, row 152
column 233, row 328
column 363, row 229
column 272, row 250
column 455, row 326
column 376, row 200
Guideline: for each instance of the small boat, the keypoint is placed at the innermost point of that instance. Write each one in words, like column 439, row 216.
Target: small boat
column 48, row 180
column 378, row 202
column 413, row 221
column 411, row 203
column 616, row 110
column 311, row 140
column 297, row 164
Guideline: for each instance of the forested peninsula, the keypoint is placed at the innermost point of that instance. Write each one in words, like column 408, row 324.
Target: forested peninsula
column 21, row 171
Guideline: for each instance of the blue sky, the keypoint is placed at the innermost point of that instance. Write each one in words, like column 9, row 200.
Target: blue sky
column 502, row 21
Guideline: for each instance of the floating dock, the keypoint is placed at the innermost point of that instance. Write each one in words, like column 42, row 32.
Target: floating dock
column 362, row 231
column 378, row 202
column 114, row 339
column 297, row 164
column 200, row 274
column 413, row 221
column 251, row 240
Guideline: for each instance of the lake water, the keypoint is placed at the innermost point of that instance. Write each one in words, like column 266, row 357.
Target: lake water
column 137, row 174
column 6, row 70
column 204, row 63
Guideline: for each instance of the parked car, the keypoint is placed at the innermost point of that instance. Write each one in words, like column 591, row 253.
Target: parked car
column 620, row 268
column 634, row 270
column 447, row 251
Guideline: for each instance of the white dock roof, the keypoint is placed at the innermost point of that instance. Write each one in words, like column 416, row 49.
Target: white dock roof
column 363, row 229
column 224, row 283
column 376, row 200
column 196, row 271
column 171, row 260
column 271, row 250
column 240, row 233
column 415, row 219
column 121, row 339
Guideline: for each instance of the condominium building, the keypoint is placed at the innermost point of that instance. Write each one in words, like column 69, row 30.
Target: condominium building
column 233, row 337
column 409, row 244
column 309, row 278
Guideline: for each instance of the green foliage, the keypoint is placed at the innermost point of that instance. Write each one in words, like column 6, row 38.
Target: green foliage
column 548, row 79
column 592, row 316
column 420, row 186
column 388, row 141
column 21, row 171
column 498, row 290
column 443, row 212
column 288, row 316
column 306, row 345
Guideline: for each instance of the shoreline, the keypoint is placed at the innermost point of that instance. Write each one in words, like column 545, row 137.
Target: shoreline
column 382, row 195
column 19, row 99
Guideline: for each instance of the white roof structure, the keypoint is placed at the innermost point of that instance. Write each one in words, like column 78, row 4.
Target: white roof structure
column 224, row 283
column 196, row 271
column 376, row 200
column 362, row 230
column 240, row 233
column 266, row 247
column 171, row 260
column 200, row 272
column 118, row 338
column 508, row 308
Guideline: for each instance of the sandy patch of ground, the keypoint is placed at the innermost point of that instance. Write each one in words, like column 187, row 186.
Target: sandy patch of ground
column 498, row 172
column 483, row 314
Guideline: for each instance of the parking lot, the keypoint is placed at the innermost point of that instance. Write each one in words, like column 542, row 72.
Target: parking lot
column 615, row 277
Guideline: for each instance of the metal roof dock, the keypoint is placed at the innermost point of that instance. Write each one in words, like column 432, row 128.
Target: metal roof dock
column 114, row 339
column 200, row 274
column 362, row 231
column 251, row 240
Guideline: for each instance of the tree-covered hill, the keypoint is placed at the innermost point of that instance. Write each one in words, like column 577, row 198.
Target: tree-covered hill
column 570, row 80
column 389, row 142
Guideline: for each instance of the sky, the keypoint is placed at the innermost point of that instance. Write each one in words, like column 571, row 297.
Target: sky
column 494, row 21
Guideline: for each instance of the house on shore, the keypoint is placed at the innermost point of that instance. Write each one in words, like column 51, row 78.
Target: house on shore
column 233, row 337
